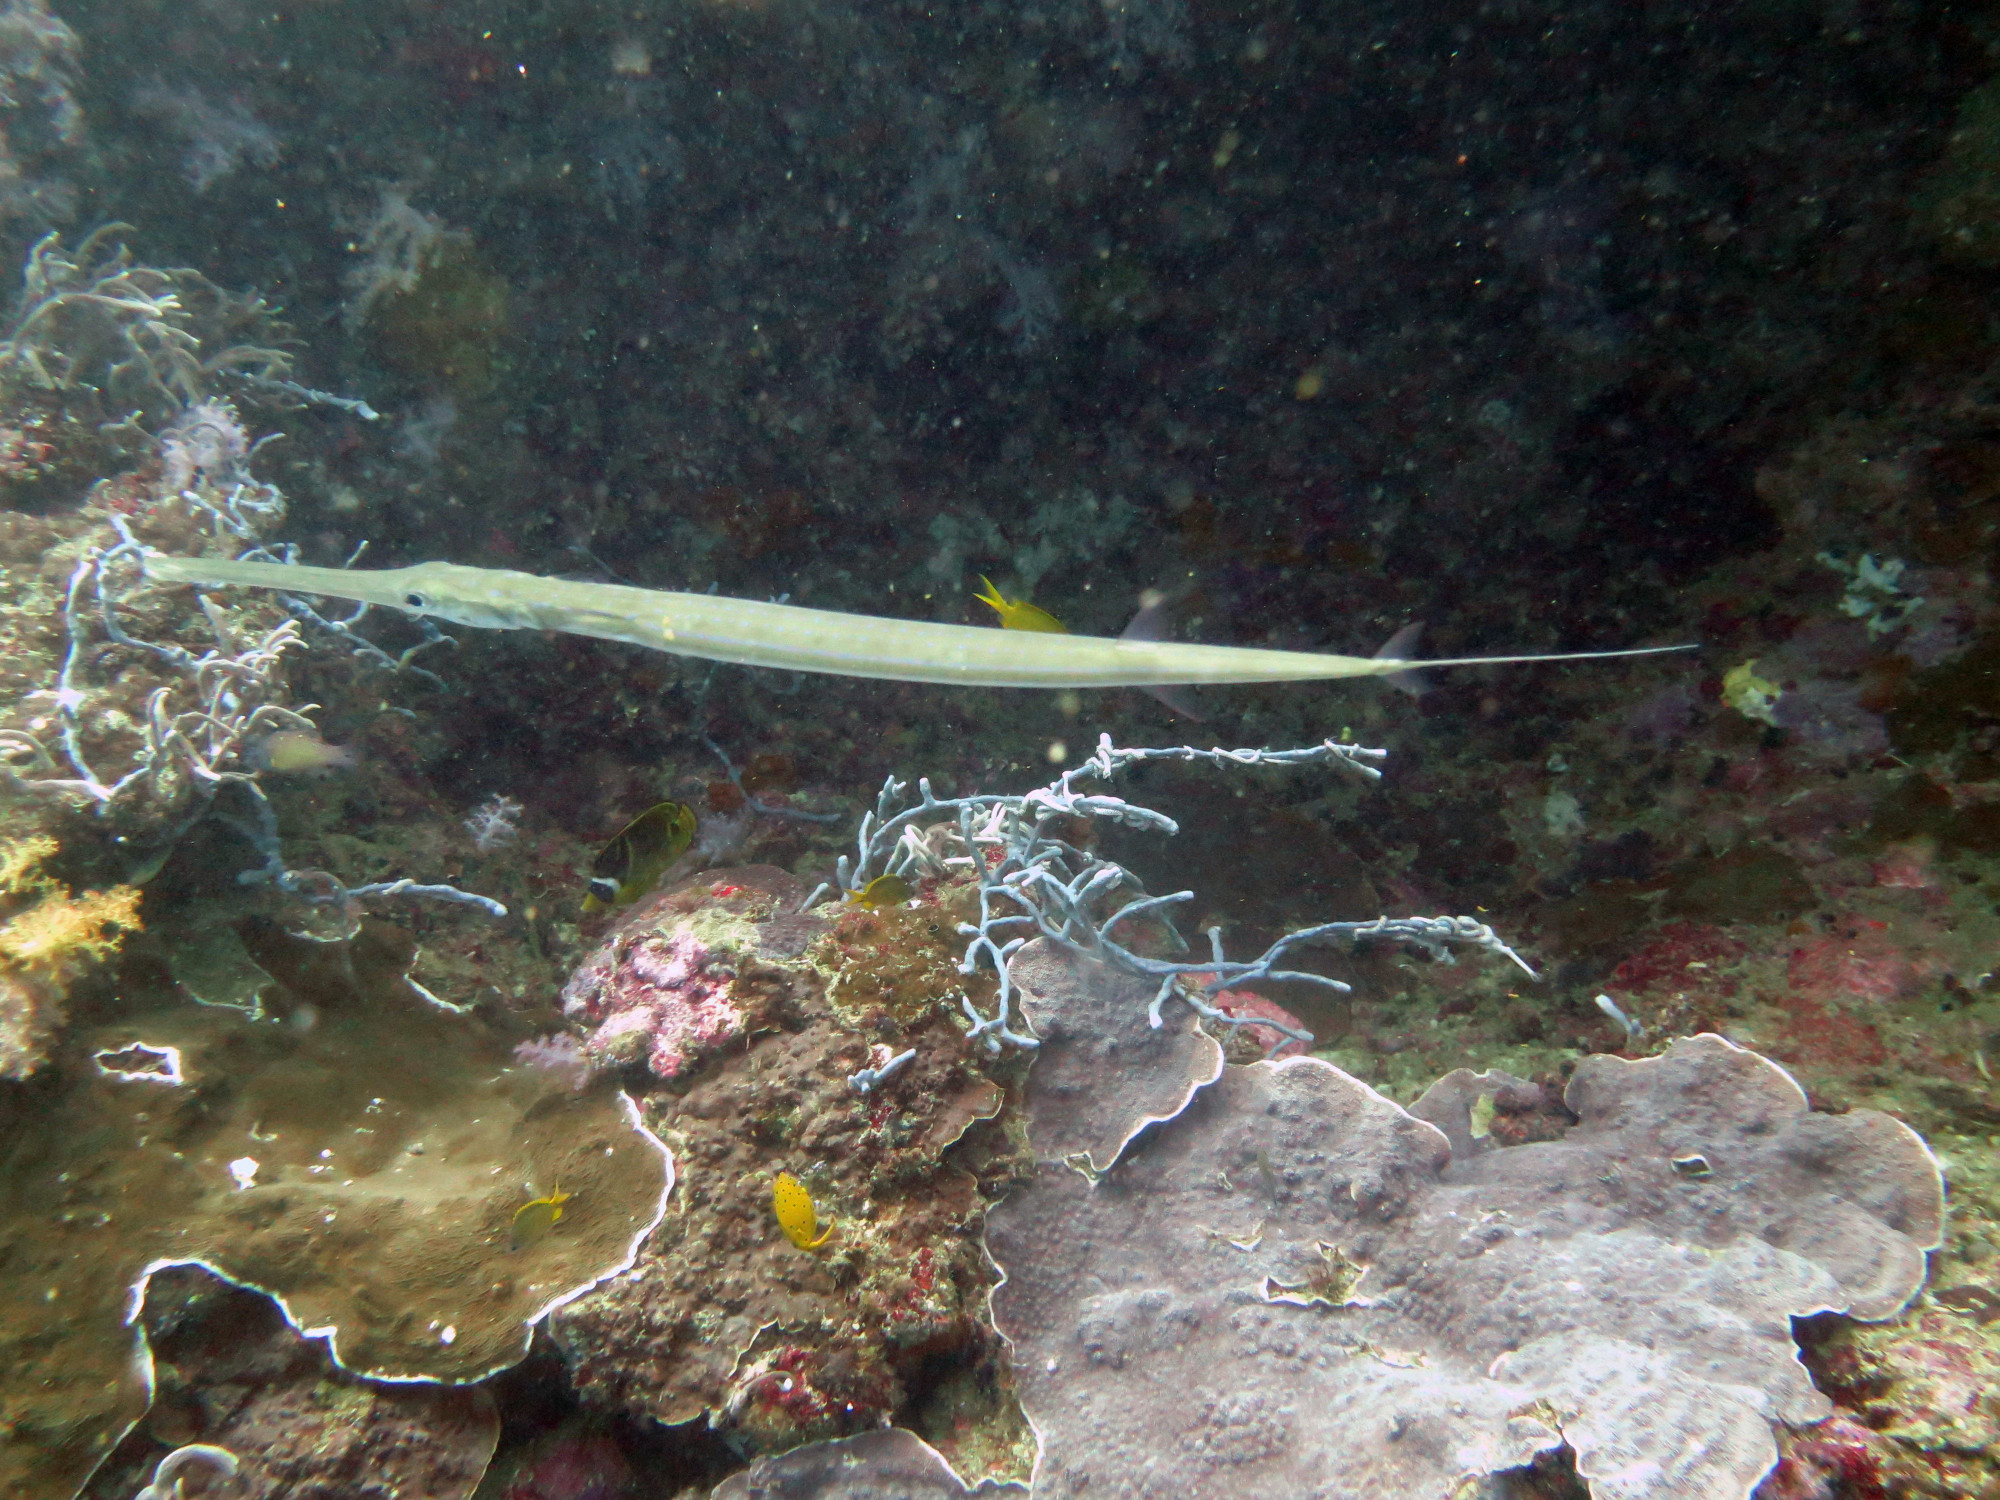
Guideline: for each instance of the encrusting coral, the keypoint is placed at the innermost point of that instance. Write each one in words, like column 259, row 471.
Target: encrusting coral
column 886, row 1464
column 47, row 937
column 365, row 1171
column 265, row 1409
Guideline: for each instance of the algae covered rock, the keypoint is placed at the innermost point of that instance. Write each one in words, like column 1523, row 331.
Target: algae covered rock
column 724, row 1317
column 1958, row 205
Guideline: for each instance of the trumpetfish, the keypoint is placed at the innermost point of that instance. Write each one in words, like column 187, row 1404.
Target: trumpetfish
column 789, row 637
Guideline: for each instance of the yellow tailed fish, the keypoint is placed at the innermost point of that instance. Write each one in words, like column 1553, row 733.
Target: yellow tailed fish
column 537, row 1217
column 796, row 1215
column 632, row 862
column 791, row 638
column 883, row 890
column 1019, row 614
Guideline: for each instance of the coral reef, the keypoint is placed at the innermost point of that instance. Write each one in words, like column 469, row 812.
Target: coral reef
column 722, row 1315
column 1588, row 334
column 1298, row 1282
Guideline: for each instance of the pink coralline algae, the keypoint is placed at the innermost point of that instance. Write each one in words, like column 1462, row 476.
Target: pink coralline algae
column 1868, row 965
column 576, row 1462
column 1836, row 1460
column 662, row 998
column 1905, row 867
column 1679, row 956
column 1250, row 1007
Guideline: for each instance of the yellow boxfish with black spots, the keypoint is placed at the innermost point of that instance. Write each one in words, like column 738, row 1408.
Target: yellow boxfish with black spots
column 796, row 1215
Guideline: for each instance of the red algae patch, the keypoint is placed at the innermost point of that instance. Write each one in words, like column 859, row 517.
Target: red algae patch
column 1868, row 965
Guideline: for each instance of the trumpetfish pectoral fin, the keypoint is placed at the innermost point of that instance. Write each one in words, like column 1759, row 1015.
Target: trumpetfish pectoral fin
column 790, row 637
column 1398, row 648
column 1150, row 624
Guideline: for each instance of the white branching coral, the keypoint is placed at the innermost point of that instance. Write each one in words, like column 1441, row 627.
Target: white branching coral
column 194, row 730
column 1874, row 593
column 494, row 823
column 1033, row 880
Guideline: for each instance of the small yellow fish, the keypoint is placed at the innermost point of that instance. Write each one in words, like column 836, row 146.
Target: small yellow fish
column 1019, row 614
column 883, row 890
column 298, row 752
column 796, row 1215
column 537, row 1217
column 630, row 865
column 1752, row 696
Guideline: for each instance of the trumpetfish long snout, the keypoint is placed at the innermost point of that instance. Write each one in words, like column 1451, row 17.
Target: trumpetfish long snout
column 791, row 638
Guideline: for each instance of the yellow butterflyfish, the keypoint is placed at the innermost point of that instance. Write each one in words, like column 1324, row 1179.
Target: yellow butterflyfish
column 796, row 1215
column 1019, row 614
column 633, row 862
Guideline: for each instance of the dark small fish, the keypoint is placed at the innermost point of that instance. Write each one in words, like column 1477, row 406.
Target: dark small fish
column 1267, row 1174
column 1976, row 1302
column 633, row 862
column 1151, row 624
column 883, row 890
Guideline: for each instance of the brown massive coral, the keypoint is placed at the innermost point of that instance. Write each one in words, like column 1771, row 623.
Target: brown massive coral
column 364, row 1164
column 230, row 1374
